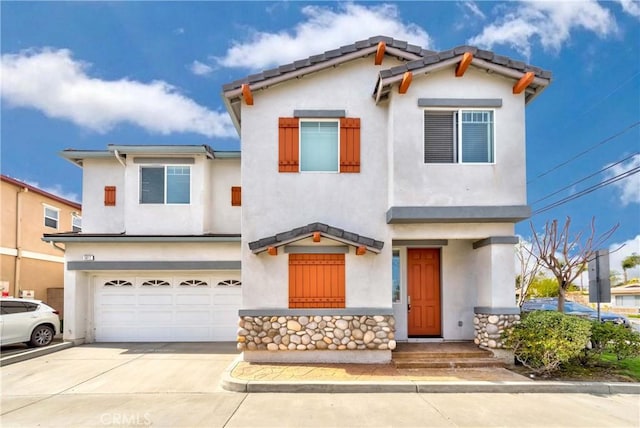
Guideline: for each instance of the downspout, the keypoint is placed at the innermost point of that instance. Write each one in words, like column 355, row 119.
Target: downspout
column 124, row 165
column 18, row 264
column 117, row 155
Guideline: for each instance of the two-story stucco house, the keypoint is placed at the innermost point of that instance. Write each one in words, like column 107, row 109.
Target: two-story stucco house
column 381, row 183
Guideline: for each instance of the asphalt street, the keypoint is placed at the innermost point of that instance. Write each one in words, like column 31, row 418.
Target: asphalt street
column 178, row 385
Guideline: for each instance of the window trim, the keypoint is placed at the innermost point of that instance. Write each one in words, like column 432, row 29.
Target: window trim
column 164, row 167
column 75, row 216
column 457, row 149
column 320, row 119
column 57, row 218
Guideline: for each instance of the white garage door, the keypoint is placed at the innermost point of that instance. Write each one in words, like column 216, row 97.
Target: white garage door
column 166, row 308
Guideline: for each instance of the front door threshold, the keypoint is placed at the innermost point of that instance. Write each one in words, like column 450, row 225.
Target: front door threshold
column 425, row 339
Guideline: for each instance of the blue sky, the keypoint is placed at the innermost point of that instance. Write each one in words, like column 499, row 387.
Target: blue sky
column 84, row 75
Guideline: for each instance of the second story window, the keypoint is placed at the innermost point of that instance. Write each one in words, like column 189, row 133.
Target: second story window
column 461, row 136
column 319, row 146
column 170, row 184
column 76, row 223
column 51, row 216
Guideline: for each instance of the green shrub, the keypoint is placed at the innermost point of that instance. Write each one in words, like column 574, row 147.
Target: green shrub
column 621, row 341
column 545, row 339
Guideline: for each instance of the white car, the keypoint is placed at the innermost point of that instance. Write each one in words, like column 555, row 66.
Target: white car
column 27, row 320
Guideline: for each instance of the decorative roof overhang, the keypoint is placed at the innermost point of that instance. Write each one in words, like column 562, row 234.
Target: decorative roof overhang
column 308, row 231
column 121, row 151
column 481, row 59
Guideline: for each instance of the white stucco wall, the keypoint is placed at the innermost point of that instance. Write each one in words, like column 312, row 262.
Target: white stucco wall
column 415, row 183
column 275, row 202
column 96, row 174
column 495, row 276
column 221, row 217
column 158, row 251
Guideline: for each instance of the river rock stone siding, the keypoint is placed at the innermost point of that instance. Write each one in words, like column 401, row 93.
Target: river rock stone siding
column 309, row 333
column 489, row 329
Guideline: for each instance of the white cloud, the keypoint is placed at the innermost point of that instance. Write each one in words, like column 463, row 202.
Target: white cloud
column 54, row 83
column 629, row 186
column 551, row 23
column 55, row 189
column 323, row 29
column 632, row 7
column 628, row 247
column 200, row 69
column 474, row 9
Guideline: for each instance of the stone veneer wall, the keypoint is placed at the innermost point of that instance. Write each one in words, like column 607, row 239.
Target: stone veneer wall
column 319, row 332
column 489, row 328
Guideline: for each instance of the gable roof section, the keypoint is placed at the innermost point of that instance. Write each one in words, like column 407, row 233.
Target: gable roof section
column 418, row 61
column 482, row 59
column 307, row 231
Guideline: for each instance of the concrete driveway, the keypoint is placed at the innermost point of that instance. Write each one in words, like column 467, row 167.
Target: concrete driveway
column 178, row 385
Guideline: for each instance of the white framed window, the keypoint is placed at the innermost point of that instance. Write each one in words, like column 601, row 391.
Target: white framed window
column 319, row 145
column 165, row 184
column 76, row 223
column 51, row 217
column 459, row 136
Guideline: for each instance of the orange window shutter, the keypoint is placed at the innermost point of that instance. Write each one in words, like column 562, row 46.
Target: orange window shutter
column 316, row 281
column 236, row 196
column 109, row 196
column 349, row 144
column 288, row 144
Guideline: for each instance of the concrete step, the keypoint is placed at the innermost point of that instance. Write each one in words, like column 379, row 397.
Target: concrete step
column 426, row 355
column 441, row 363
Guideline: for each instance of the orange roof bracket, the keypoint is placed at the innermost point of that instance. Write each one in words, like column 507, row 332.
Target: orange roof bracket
column 316, row 236
column 361, row 250
column 246, row 94
column 273, row 251
column 524, row 81
column 464, row 64
column 380, row 53
column 406, row 81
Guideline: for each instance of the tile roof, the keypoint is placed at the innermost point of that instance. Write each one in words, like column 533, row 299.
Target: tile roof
column 371, row 42
column 308, row 230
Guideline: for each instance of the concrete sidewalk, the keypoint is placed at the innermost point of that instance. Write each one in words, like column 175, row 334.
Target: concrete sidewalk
column 386, row 378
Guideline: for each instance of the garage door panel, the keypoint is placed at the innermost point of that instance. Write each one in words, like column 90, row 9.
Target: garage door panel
column 166, row 307
column 183, row 317
column 198, row 299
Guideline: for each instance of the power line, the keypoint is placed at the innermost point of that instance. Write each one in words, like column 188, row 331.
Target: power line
column 588, row 190
column 606, row 140
column 585, row 178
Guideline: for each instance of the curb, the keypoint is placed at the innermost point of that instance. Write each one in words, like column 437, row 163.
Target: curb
column 230, row 383
column 33, row 353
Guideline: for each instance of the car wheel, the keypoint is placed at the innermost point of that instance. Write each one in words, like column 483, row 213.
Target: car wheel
column 42, row 336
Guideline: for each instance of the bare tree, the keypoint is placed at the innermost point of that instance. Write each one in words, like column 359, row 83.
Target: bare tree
column 529, row 269
column 566, row 256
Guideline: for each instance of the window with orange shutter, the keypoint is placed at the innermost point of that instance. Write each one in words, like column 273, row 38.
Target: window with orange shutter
column 109, row 196
column 314, row 146
column 316, row 281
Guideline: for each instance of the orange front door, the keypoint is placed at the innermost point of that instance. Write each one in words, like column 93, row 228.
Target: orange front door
column 424, row 292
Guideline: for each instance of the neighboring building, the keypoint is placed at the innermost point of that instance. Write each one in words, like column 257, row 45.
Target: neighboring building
column 381, row 183
column 30, row 266
column 626, row 297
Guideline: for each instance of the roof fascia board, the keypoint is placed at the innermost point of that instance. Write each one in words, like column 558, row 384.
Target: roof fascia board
column 506, row 71
column 390, row 50
column 154, row 265
column 162, row 150
column 77, row 156
column 53, row 238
